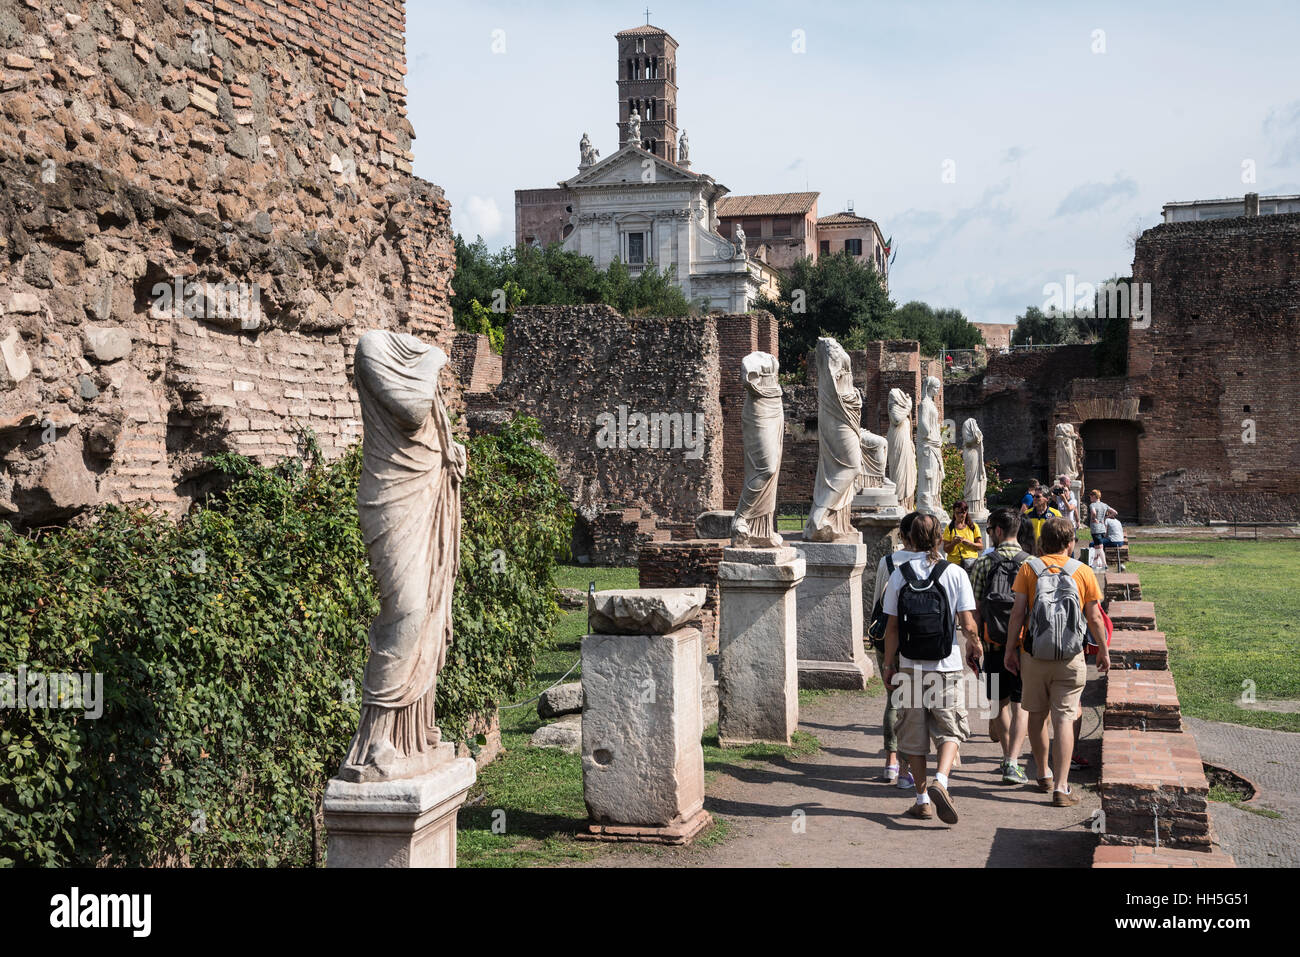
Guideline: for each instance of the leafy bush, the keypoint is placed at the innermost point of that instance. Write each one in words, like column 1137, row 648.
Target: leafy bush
column 232, row 646
column 954, row 478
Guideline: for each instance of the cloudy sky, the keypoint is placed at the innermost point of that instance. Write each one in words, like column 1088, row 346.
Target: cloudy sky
column 1063, row 131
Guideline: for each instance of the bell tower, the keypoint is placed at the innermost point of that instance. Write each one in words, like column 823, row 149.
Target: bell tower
column 647, row 85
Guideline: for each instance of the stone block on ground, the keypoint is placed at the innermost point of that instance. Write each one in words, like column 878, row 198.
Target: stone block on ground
column 830, row 616
column 1154, row 790
column 560, row 700
column 642, row 762
column 1139, row 649
column 758, row 667
column 1123, row 586
column 1138, row 855
column 564, row 734
column 1133, row 615
column 1143, row 698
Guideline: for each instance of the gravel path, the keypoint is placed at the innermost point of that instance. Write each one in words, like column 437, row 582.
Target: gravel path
column 848, row 819
column 1271, row 761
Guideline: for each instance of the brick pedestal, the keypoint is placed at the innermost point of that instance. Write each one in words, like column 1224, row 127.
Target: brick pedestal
column 1133, row 615
column 1144, row 699
column 1139, row 649
column 1154, row 791
column 1123, row 586
column 1140, row 856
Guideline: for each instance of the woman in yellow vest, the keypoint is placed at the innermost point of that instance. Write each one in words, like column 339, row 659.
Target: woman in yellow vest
column 961, row 539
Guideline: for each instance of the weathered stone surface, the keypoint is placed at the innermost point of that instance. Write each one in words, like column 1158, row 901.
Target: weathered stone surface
column 24, row 302
column 831, row 616
column 106, row 343
column 15, row 366
column 560, row 700
column 715, row 524
column 405, row 823
column 642, row 762
column 758, row 675
column 565, row 734
column 643, row 611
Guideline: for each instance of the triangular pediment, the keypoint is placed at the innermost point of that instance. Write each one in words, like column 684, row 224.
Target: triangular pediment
column 628, row 166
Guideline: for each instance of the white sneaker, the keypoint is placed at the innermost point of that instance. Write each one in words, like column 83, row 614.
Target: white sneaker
column 906, row 782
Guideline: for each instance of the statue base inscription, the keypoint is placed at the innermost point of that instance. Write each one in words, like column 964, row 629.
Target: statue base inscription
column 410, row 822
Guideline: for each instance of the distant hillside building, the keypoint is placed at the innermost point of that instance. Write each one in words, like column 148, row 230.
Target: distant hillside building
column 858, row 236
column 997, row 335
column 779, row 227
column 1252, row 205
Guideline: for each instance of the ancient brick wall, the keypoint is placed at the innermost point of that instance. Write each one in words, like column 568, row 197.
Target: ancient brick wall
column 477, row 367
column 568, row 365
column 1217, row 360
column 256, row 154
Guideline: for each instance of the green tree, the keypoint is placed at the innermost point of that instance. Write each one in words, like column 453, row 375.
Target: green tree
column 1035, row 327
column 935, row 329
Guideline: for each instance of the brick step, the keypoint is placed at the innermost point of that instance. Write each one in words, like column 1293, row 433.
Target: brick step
column 1133, row 615
column 1144, row 649
column 1138, row 855
column 1145, row 699
column 1153, row 779
column 1123, row 586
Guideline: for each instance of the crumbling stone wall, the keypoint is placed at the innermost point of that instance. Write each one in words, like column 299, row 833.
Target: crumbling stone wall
column 262, row 147
column 1216, row 367
column 568, row 365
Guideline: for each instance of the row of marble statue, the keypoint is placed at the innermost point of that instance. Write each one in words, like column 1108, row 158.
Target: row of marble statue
column 856, row 468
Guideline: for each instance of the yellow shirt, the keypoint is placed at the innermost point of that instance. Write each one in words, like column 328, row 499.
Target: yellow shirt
column 960, row 542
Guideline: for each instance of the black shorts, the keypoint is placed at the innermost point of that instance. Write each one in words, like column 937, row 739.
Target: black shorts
column 1008, row 685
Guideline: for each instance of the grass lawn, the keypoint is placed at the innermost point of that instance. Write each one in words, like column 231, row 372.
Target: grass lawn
column 527, row 804
column 1231, row 611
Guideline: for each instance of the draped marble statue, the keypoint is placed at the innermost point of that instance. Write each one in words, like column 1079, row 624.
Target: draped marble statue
column 875, row 457
column 972, row 460
column 408, row 502
column 762, row 425
column 902, row 451
column 929, row 453
column 587, row 151
column 634, row 129
column 839, row 413
column 1067, row 445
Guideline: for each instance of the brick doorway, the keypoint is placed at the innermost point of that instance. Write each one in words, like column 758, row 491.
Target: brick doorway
column 1110, row 453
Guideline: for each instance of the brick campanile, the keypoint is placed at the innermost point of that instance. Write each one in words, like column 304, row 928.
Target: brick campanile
column 647, row 83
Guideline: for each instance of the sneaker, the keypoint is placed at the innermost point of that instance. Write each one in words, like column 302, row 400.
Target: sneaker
column 889, row 775
column 1046, row 784
column 1014, row 774
column 1064, row 799
column 921, row 812
column 906, row 782
column 942, row 803
column 1002, row 766
column 1078, row 764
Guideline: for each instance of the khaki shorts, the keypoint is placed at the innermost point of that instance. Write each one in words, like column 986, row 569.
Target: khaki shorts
column 918, row 726
column 1054, row 686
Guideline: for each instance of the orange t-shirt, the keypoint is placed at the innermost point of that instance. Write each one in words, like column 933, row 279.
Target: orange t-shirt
column 1026, row 582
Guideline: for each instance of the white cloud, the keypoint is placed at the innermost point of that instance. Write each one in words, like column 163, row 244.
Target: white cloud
column 478, row 216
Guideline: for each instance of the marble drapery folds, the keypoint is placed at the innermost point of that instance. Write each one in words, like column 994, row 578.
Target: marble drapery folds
column 762, row 426
column 839, row 414
column 902, row 450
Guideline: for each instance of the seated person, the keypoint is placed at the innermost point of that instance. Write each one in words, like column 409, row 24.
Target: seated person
column 962, row 542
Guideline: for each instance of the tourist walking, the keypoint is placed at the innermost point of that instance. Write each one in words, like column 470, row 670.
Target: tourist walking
column 1057, row 598
column 991, row 577
column 876, row 632
column 1038, row 516
column 928, row 599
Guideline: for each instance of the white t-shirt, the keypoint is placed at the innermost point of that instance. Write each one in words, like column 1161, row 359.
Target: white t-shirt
column 961, row 597
column 1114, row 530
column 882, row 570
column 1097, row 518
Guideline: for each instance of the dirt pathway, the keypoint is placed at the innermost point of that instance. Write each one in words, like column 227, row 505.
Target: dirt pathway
column 849, row 820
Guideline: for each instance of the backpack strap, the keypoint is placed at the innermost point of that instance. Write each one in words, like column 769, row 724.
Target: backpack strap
column 1022, row 556
column 937, row 572
column 1037, row 565
column 909, row 573
column 1072, row 566
column 889, row 563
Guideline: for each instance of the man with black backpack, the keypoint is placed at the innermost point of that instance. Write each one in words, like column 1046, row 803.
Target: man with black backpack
column 1057, row 601
column 876, row 633
column 927, row 599
column 992, row 577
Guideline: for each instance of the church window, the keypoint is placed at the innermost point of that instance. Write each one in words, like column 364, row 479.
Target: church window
column 636, row 248
column 650, row 113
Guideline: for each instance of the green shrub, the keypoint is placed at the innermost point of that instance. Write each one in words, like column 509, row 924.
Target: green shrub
column 954, row 479
column 232, row 647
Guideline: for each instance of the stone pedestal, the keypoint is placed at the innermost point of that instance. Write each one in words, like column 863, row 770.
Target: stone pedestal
column 830, row 616
column 881, row 537
column 405, row 823
column 758, row 676
column 642, row 762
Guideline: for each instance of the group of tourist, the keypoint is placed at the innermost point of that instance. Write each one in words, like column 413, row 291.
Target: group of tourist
column 1028, row 614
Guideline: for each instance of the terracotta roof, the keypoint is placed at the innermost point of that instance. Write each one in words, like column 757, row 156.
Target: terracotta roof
column 842, row 219
column 768, row 204
column 644, row 30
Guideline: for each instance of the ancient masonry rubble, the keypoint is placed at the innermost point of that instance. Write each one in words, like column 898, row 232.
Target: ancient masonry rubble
column 202, row 205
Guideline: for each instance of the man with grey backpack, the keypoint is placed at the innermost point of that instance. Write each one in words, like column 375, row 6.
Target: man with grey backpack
column 1057, row 599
